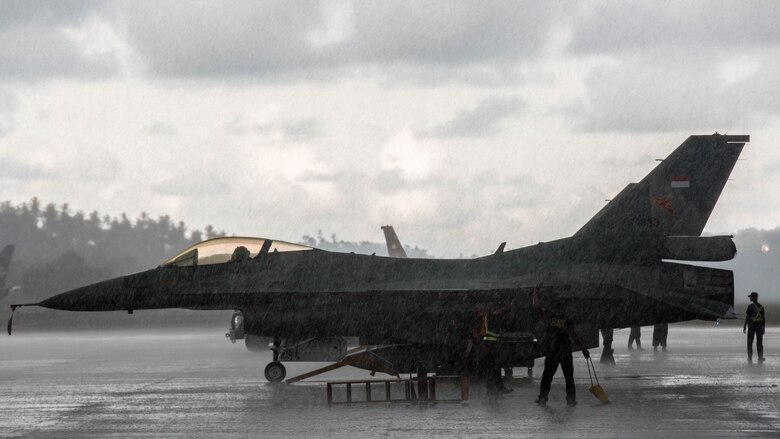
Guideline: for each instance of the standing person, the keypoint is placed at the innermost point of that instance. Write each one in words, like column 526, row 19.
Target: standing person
column 755, row 319
column 558, row 344
column 635, row 334
column 607, row 356
column 489, row 362
column 485, row 342
column 660, row 331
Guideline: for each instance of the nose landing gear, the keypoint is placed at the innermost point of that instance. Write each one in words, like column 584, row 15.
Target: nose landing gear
column 275, row 372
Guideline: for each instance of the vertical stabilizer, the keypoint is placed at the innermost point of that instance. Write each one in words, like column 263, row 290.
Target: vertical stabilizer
column 675, row 199
column 394, row 247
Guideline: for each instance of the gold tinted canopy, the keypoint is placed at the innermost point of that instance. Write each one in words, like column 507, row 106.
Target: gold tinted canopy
column 226, row 249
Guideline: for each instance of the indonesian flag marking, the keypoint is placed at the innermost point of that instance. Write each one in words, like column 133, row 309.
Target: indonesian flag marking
column 681, row 181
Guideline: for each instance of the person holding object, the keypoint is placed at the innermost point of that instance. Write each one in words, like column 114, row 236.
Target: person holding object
column 559, row 336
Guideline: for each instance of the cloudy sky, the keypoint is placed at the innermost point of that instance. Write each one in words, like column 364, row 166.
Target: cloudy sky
column 463, row 124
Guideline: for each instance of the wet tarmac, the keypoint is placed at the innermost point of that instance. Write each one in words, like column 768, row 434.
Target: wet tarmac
column 198, row 384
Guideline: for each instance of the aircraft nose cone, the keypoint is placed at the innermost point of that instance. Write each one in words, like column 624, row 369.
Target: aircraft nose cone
column 109, row 295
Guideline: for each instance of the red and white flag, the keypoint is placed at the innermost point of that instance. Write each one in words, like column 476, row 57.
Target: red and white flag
column 681, row 181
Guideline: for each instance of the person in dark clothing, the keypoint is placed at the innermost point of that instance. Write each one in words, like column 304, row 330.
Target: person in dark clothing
column 635, row 334
column 754, row 326
column 607, row 356
column 489, row 362
column 488, row 358
column 660, row 332
column 558, row 343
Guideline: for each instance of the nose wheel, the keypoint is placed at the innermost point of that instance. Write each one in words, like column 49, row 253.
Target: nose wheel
column 275, row 372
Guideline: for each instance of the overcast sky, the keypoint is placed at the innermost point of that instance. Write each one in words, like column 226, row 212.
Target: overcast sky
column 463, row 124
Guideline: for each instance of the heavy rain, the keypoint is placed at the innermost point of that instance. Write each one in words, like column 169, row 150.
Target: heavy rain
column 414, row 219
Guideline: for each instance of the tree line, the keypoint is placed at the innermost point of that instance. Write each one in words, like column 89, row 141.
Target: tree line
column 115, row 245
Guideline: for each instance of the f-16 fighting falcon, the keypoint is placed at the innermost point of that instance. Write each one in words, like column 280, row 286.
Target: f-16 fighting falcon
column 422, row 315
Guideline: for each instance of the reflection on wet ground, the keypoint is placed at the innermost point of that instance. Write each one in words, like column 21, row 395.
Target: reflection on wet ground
column 196, row 384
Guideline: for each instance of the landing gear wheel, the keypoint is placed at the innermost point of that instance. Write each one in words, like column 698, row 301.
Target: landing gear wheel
column 275, row 372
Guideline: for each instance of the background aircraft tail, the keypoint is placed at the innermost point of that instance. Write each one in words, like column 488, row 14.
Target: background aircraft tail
column 5, row 262
column 394, row 247
column 674, row 200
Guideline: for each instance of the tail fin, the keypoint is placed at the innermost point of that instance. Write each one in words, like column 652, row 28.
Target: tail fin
column 394, row 247
column 5, row 262
column 676, row 198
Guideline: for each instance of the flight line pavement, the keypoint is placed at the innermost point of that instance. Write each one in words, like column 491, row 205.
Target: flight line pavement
column 149, row 383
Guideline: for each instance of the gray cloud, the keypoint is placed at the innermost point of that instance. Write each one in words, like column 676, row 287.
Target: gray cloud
column 610, row 27
column 667, row 70
column 81, row 165
column 34, row 42
column 483, row 120
column 517, row 191
column 8, row 105
column 50, row 13
column 442, row 32
column 642, row 95
column 206, row 39
column 34, row 52
column 13, row 169
column 210, row 39
column 301, row 130
column 498, row 74
column 759, row 92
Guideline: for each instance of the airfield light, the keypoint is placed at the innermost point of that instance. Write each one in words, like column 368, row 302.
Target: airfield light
column 764, row 248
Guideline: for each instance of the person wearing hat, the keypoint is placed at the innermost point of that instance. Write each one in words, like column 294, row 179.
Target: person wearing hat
column 754, row 327
column 559, row 335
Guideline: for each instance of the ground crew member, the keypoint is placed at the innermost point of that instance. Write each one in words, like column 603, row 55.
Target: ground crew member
column 488, row 361
column 755, row 320
column 606, row 353
column 558, row 344
column 635, row 334
column 660, row 332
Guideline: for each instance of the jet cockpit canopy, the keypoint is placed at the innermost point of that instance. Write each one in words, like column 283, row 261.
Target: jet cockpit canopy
column 229, row 248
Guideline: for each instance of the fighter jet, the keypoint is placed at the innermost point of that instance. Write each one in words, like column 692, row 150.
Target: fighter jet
column 414, row 315
column 5, row 262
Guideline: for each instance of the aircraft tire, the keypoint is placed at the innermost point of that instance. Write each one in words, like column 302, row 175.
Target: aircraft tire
column 275, row 372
